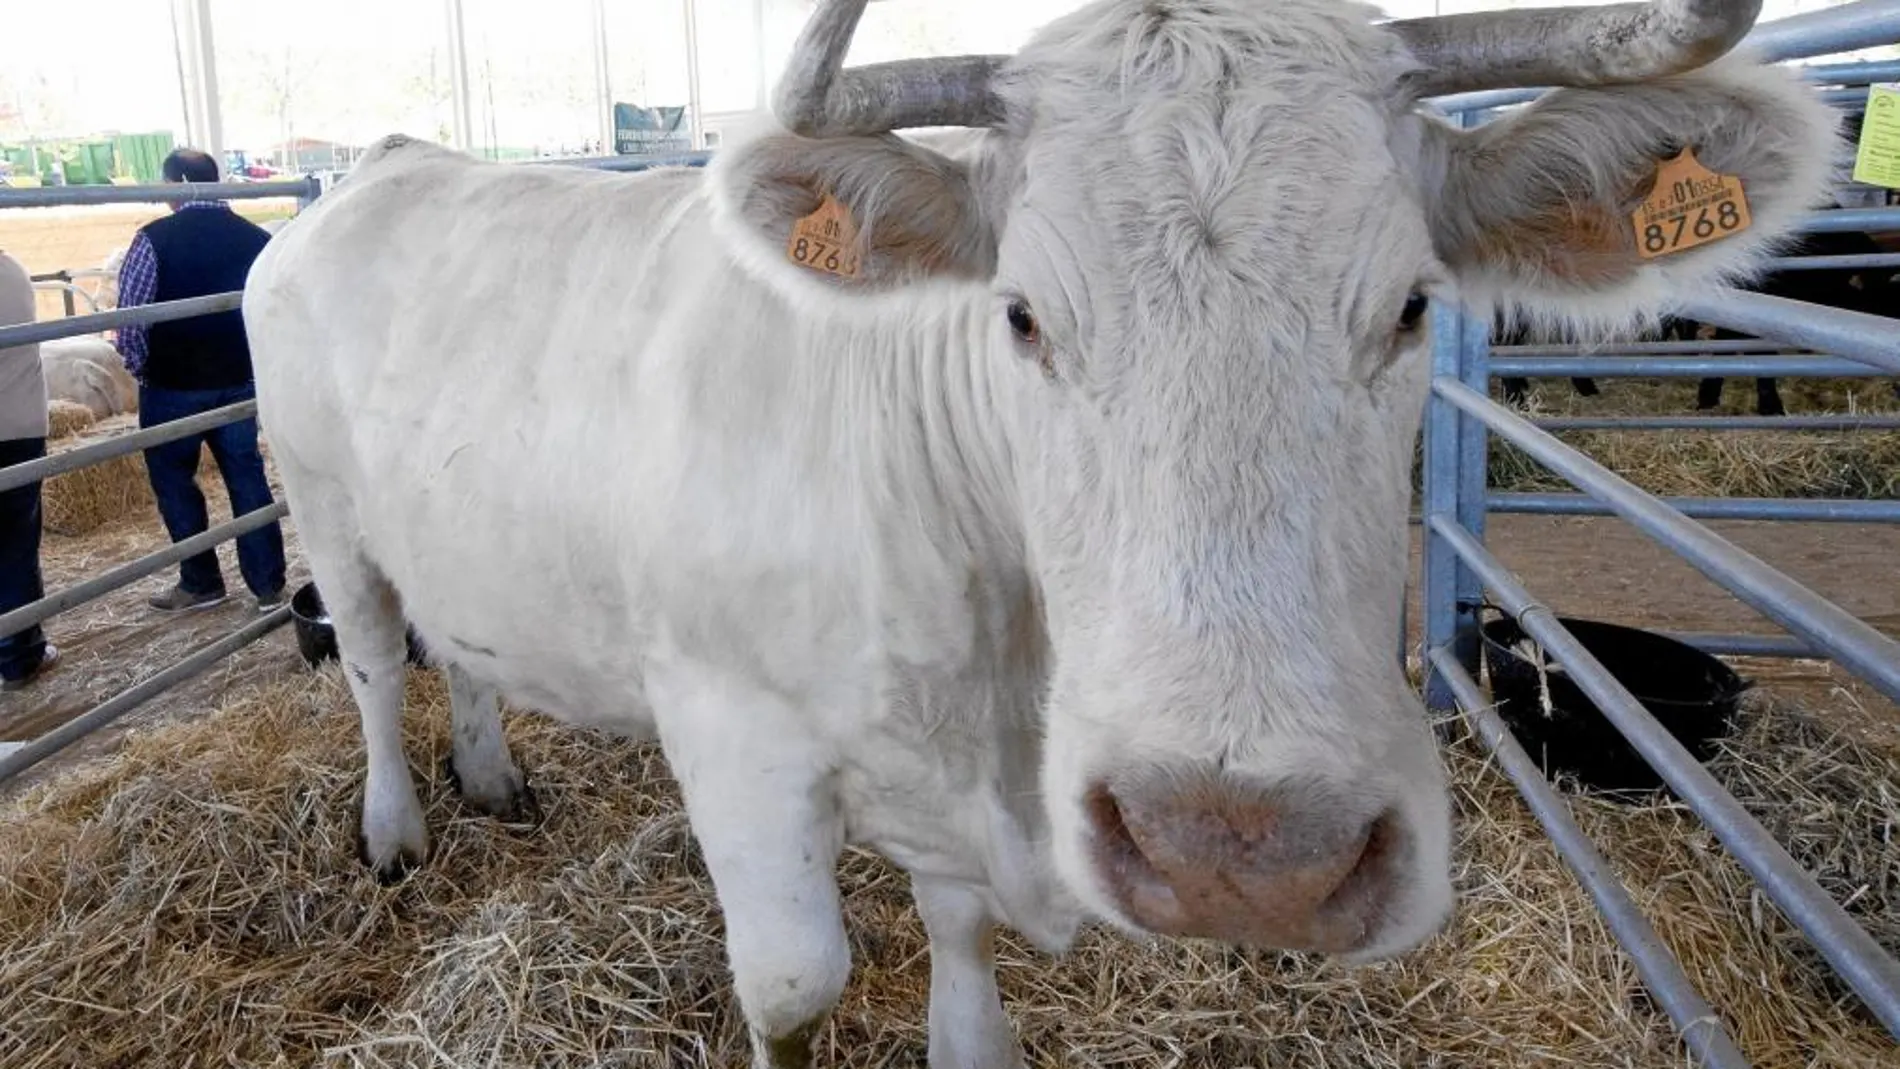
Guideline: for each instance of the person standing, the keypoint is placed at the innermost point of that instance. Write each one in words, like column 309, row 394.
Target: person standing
column 188, row 366
column 26, row 654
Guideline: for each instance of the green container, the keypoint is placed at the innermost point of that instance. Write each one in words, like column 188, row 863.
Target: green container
column 98, row 156
column 143, row 155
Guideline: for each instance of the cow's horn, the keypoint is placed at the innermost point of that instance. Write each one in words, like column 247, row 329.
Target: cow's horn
column 1575, row 46
column 816, row 97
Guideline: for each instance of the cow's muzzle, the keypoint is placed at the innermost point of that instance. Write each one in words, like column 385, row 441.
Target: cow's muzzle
column 1301, row 864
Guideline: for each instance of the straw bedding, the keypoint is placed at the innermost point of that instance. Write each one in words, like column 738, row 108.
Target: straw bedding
column 82, row 501
column 67, row 418
column 196, row 901
column 1846, row 464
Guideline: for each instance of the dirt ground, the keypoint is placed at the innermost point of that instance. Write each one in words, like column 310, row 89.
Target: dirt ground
column 45, row 240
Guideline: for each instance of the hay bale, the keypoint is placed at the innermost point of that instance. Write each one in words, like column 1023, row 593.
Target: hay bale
column 67, row 418
column 82, row 501
column 197, row 899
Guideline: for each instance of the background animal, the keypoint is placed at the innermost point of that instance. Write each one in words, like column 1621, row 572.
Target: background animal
column 87, row 370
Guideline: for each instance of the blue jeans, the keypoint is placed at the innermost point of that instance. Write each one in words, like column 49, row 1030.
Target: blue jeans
column 173, row 467
column 20, row 653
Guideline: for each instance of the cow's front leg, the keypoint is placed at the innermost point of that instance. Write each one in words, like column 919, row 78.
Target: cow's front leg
column 968, row 1029
column 758, row 794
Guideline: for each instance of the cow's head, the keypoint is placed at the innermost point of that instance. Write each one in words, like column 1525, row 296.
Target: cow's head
column 1205, row 236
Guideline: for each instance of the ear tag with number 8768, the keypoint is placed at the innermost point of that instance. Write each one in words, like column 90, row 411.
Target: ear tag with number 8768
column 1688, row 206
column 826, row 240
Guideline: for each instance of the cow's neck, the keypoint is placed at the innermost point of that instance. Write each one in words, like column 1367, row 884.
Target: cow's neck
column 934, row 444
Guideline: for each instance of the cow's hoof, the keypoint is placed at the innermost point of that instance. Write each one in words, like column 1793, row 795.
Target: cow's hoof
column 391, row 866
column 508, row 798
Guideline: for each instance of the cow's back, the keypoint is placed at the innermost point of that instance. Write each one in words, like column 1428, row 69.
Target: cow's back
column 446, row 355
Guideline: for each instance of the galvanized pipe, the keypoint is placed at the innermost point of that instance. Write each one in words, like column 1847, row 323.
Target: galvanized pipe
column 144, row 314
column 1806, row 510
column 1859, row 336
column 33, row 471
column 157, row 193
column 1862, row 650
column 139, row 693
column 126, row 574
column 1644, row 348
column 1850, row 221
column 1686, row 367
column 1845, row 262
column 1742, row 645
column 1855, row 956
column 1718, row 423
column 1702, row 1031
column 626, row 163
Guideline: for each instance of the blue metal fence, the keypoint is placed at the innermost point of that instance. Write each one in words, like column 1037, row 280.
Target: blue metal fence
column 1791, row 338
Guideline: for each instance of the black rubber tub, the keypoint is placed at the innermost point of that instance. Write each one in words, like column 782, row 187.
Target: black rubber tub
column 1691, row 693
column 316, row 639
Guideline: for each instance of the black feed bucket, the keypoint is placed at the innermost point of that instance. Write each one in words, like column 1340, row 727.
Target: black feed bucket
column 1692, row 694
column 316, row 639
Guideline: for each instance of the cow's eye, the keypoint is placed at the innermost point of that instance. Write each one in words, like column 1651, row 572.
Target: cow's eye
column 1022, row 322
column 1415, row 307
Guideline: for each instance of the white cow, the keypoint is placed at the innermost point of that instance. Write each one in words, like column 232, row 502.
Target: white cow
column 1056, row 553
column 87, row 370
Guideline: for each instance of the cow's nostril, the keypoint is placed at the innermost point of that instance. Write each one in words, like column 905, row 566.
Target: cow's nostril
column 1132, row 878
column 1300, row 865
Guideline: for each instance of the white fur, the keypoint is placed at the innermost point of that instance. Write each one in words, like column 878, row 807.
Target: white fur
column 88, row 371
column 874, row 571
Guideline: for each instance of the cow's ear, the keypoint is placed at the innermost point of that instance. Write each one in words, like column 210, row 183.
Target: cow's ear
column 872, row 212
column 1534, row 212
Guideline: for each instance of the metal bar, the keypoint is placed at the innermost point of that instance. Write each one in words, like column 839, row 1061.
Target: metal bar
column 1687, row 367
column 626, row 163
column 694, row 98
column 139, row 693
column 1859, row 648
column 462, row 126
column 1850, row 221
column 603, row 83
column 159, row 193
column 1859, row 336
column 1747, row 645
column 1702, row 1031
column 1863, row 73
column 162, row 312
column 1846, row 28
column 118, row 445
column 1718, row 423
column 1855, row 956
column 1806, row 510
column 1474, row 371
column 126, row 574
column 1645, row 348
column 1845, row 262
column 1440, row 491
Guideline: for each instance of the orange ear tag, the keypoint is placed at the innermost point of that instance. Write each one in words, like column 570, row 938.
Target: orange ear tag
column 826, row 240
column 1688, row 206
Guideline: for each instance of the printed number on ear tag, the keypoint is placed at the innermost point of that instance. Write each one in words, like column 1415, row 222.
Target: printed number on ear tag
column 826, row 240
column 1689, row 205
